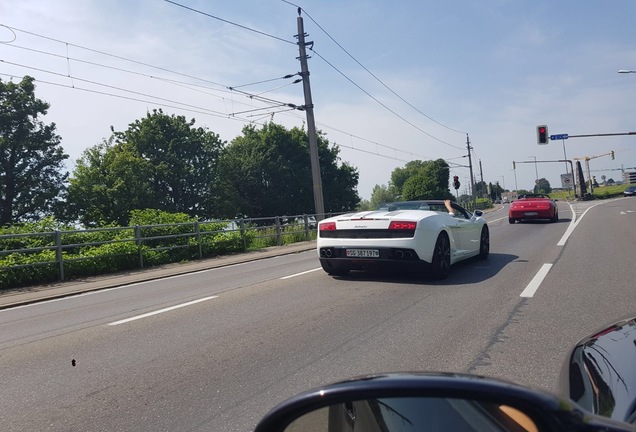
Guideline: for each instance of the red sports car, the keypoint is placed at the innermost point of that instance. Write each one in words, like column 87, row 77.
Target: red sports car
column 533, row 206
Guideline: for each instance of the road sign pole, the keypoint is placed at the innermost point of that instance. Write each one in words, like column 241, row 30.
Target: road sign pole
column 565, row 157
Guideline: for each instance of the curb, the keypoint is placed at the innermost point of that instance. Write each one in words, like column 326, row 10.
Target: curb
column 34, row 294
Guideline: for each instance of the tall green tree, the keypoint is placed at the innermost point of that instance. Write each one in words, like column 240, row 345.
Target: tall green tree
column 160, row 162
column 184, row 158
column 108, row 183
column 382, row 194
column 399, row 176
column 267, row 172
column 423, row 180
column 543, row 186
column 31, row 158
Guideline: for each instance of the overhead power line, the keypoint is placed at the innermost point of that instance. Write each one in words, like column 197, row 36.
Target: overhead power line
column 330, row 64
column 277, row 106
column 383, row 105
column 372, row 74
column 230, row 22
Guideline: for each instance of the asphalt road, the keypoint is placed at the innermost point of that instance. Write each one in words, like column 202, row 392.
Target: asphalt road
column 215, row 349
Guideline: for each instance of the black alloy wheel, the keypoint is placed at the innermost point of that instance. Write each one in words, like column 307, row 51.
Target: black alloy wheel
column 441, row 257
column 555, row 218
column 484, row 243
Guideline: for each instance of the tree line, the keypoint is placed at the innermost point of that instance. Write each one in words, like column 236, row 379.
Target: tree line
column 163, row 162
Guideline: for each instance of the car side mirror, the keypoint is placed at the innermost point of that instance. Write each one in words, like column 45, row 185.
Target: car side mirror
column 478, row 213
column 410, row 402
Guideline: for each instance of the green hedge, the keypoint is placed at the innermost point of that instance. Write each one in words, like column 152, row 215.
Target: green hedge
column 113, row 249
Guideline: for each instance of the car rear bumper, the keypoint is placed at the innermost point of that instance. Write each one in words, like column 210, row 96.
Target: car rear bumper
column 531, row 214
column 389, row 259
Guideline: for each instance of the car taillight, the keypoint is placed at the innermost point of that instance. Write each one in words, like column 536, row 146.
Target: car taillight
column 327, row 226
column 399, row 225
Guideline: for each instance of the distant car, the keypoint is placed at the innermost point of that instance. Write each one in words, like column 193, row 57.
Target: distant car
column 404, row 236
column 497, row 201
column 533, row 206
column 630, row 191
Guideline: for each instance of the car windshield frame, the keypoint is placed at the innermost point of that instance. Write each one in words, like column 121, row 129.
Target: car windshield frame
column 426, row 205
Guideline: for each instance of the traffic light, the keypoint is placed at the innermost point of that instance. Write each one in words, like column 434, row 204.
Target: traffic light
column 514, row 165
column 612, row 153
column 456, row 182
column 542, row 134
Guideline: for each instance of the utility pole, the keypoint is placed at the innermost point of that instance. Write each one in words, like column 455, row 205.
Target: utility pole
column 481, row 175
column 311, row 123
column 470, row 165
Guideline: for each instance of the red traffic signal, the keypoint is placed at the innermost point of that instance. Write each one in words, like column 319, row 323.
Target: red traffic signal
column 542, row 134
column 456, row 182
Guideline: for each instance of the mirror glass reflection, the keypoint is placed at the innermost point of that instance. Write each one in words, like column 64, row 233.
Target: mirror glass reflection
column 415, row 414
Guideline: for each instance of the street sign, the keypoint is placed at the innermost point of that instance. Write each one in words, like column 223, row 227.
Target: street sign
column 567, row 181
column 559, row 137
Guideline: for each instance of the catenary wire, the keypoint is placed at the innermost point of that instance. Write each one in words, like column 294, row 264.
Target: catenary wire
column 382, row 104
column 186, row 85
column 230, row 22
column 371, row 73
column 330, row 64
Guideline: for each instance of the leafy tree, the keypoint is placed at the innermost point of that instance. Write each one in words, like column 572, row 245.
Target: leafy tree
column 184, row 160
column 31, row 159
column 267, row 172
column 481, row 189
column 542, row 186
column 495, row 191
column 382, row 194
column 109, row 181
column 423, row 180
column 399, row 176
column 160, row 162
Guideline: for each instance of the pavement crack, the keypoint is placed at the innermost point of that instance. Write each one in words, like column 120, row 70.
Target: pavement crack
column 483, row 359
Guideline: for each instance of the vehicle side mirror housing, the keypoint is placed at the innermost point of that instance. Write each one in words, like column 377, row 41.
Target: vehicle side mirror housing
column 410, row 402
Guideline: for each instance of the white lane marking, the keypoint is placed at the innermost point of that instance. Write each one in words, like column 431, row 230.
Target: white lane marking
column 573, row 224
column 168, row 309
column 536, row 281
column 498, row 219
column 301, row 273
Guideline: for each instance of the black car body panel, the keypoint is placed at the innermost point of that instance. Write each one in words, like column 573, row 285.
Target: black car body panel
column 601, row 372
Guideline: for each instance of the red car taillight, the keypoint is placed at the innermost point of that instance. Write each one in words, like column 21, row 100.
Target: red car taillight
column 399, row 225
column 327, row 226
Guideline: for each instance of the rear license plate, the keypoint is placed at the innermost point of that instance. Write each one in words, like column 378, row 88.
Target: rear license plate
column 531, row 213
column 363, row 253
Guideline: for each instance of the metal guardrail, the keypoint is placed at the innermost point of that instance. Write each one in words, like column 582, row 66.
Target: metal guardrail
column 67, row 246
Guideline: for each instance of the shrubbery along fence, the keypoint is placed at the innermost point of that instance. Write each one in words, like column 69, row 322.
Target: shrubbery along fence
column 59, row 255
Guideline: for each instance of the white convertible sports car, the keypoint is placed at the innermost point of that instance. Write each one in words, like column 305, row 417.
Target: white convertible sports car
column 405, row 236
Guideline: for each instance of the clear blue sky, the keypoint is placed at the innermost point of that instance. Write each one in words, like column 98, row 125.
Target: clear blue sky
column 415, row 79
